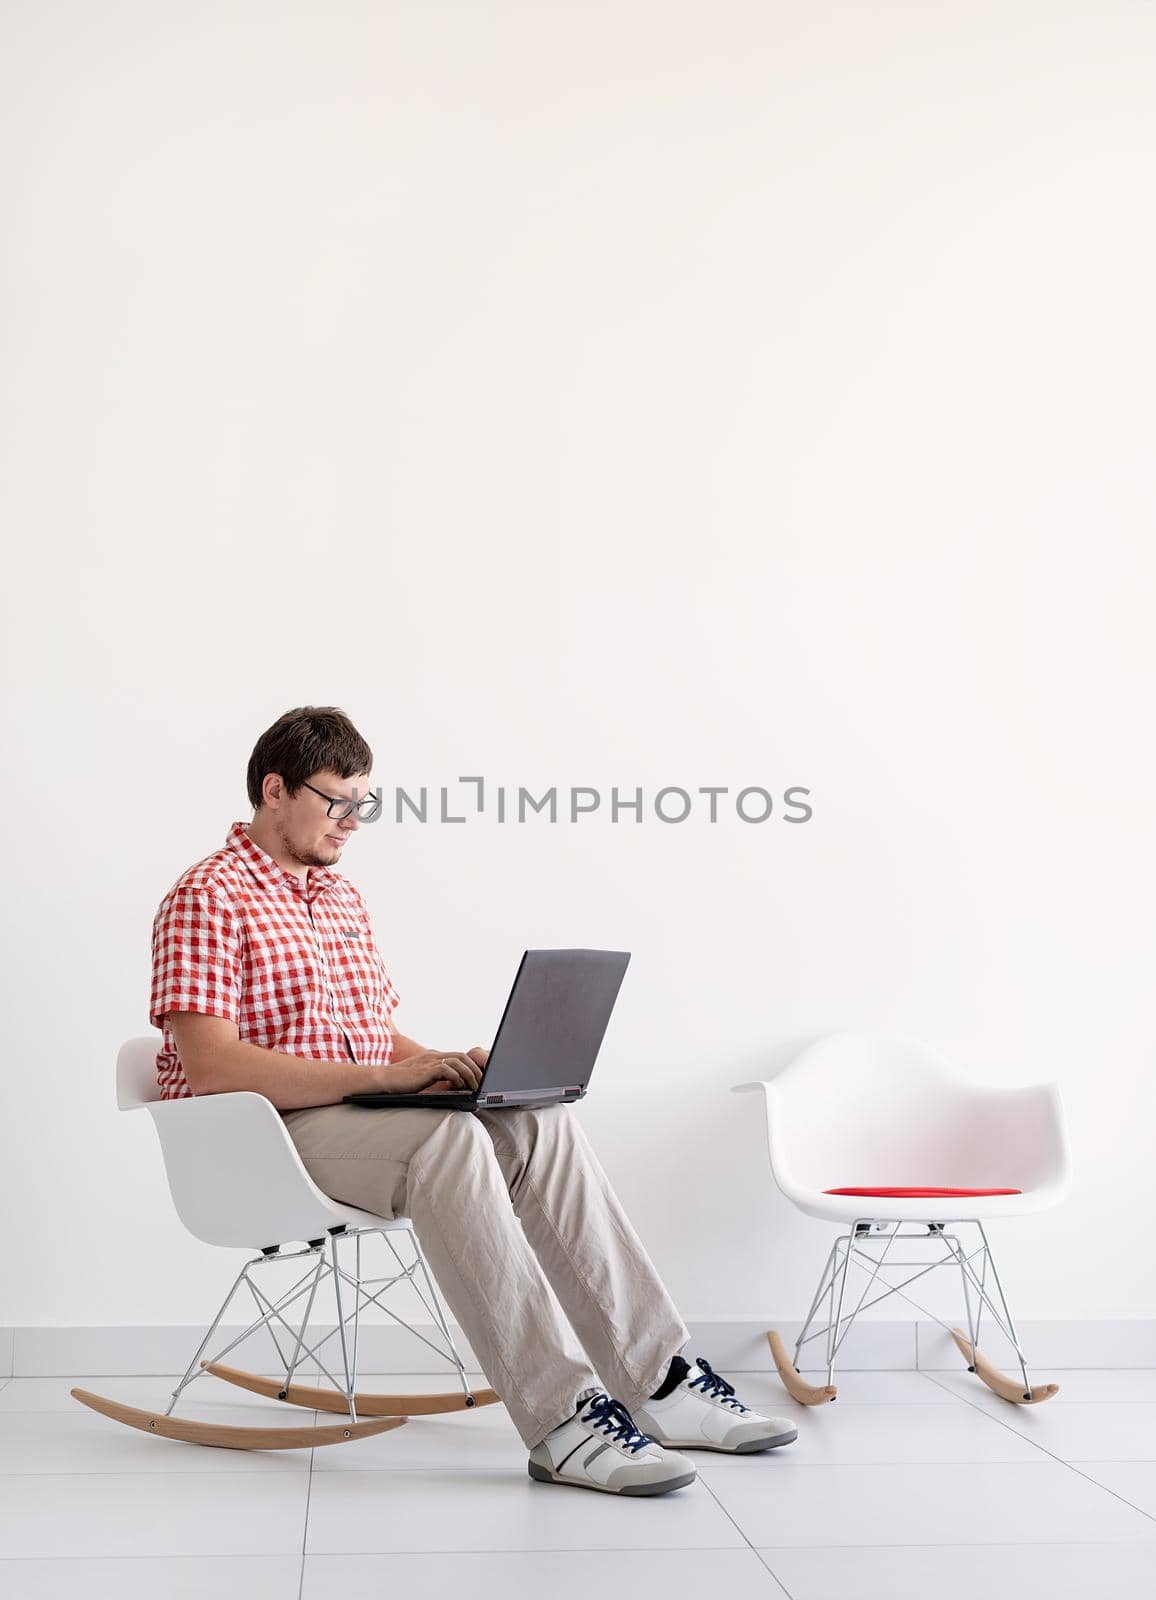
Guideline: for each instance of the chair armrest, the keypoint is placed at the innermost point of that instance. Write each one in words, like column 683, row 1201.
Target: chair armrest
column 1029, row 1125
column 235, row 1174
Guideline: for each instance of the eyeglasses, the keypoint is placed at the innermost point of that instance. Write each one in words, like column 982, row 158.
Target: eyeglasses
column 340, row 806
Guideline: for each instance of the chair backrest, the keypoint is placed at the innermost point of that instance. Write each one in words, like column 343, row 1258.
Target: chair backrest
column 856, row 1109
column 136, row 1073
column 235, row 1175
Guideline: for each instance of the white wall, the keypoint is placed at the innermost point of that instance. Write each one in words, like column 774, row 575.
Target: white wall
column 639, row 393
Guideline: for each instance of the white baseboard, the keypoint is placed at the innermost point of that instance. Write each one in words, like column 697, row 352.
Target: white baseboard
column 1059, row 1344
column 730, row 1346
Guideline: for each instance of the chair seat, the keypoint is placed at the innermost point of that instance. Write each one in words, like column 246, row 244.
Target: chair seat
column 354, row 1217
column 919, row 1194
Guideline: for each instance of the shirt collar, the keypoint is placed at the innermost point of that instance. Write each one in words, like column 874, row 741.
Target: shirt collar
column 267, row 871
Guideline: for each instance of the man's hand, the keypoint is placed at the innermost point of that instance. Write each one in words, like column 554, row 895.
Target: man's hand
column 479, row 1055
column 431, row 1072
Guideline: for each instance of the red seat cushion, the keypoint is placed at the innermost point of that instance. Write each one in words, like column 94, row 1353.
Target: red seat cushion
column 920, row 1194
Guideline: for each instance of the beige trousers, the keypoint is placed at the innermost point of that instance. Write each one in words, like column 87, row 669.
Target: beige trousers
column 522, row 1231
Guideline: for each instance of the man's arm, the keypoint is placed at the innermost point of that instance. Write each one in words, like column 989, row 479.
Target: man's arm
column 403, row 1048
column 409, row 1047
column 216, row 1060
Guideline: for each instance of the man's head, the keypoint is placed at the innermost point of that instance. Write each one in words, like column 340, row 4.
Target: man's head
column 310, row 749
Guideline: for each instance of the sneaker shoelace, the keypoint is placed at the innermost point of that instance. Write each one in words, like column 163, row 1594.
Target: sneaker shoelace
column 613, row 1417
column 718, row 1388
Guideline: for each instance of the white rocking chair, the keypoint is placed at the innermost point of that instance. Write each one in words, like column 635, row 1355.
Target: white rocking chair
column 879, row 1133
column 237, row 1180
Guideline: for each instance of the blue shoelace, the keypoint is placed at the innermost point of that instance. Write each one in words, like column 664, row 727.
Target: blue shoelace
column 712, row 1384
column 613, row 1416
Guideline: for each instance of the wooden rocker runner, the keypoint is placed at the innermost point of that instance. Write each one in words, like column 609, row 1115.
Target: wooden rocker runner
column 236, row 1178
column 369, row 1405
column 226, row 1434
column 998, row 1382
column 385, row 1411
column 865, row 1105
column 811, row 1394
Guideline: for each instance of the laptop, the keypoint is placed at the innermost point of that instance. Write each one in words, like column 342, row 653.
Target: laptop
column 548, row 1039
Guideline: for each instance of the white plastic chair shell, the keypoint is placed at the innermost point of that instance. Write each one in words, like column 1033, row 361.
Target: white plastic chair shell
column 857, row 1110
column 235, row 1174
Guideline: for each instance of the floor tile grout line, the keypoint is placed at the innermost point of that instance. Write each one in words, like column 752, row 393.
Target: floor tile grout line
column 183, row 1555
column 986, row 1544
column 1060, row 1460
column 854, row 1466
column 741, row 1535
column 761, row 1555
column 798, row 1466
column 305, row 1527
column 550, row 1550
column 1064, row 1404
column 1087, row 1477
column 496, row 1469
column 486, row 1550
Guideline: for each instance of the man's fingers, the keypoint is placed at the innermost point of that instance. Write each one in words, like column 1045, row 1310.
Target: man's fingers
column 467, row 1068
column 464, row 1070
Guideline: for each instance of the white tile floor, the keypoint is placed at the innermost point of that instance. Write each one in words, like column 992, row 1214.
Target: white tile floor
column 910, row 1485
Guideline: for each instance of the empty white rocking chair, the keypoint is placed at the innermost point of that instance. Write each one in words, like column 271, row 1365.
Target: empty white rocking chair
column 879, row 1134
column 237, row 1180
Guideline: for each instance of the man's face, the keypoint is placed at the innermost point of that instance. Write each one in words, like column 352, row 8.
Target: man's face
column 304, row 830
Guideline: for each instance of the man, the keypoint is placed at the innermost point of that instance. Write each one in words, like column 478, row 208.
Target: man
column 266, row 977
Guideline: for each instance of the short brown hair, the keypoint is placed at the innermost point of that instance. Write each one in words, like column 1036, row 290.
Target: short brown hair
column 306, row 740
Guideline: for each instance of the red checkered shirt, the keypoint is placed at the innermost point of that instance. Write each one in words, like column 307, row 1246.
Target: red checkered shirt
column 294, row 965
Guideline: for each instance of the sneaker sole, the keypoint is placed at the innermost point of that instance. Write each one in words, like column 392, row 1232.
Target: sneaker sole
column 544, row 1475
column 747, row 1448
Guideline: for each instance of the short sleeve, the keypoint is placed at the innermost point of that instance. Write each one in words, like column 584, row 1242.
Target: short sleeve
column 392, row 998
column 197, row 943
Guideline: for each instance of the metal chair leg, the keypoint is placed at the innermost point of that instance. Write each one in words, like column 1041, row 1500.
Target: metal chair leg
column 379, row 1412
column 833, row 1285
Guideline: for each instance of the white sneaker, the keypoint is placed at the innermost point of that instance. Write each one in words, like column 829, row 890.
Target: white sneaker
column 599, row 1447
column 703, row 1413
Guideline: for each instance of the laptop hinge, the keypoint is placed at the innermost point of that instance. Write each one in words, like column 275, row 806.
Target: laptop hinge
column 530, row 1096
